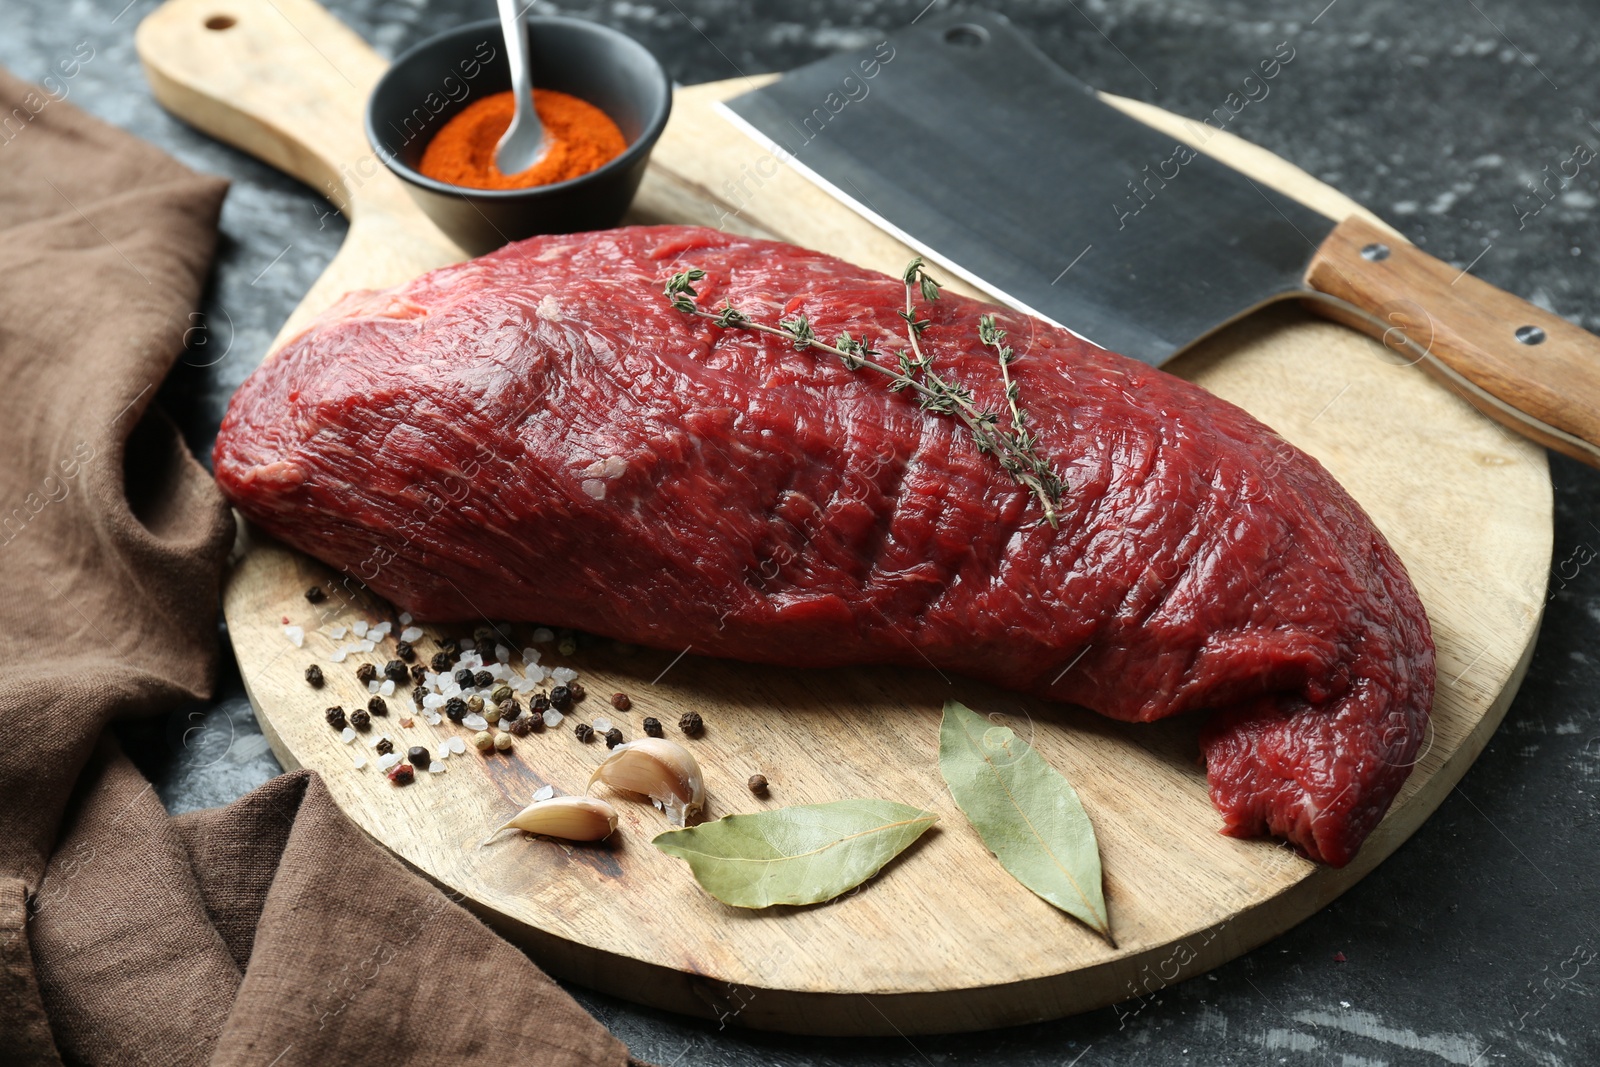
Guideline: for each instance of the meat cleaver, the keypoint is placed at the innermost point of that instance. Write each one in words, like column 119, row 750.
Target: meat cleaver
column 961, row 138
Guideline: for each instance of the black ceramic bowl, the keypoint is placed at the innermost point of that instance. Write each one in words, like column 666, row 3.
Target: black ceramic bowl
column 434, row 81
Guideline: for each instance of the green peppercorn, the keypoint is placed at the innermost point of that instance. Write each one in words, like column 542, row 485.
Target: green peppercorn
column 385, row 746
column 360, row 719
column 613, row 737
column 501, row 694
column 404, row 650
column 335, row 717
column 378, row 706
column 652, row 726
column 314, row 676
column 584, row 732
column 691, row 724
column 567, row 643
column 366, row 673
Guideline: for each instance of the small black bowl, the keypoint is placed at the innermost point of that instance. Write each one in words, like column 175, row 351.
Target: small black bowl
column 430, row 84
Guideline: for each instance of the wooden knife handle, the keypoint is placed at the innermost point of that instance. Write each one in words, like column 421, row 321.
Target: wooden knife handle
column 1524, row 367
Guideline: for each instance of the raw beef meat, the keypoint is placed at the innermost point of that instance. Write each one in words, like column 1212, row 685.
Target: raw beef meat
column 537, row 435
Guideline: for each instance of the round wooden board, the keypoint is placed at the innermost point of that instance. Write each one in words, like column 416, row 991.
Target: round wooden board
column 943, row 939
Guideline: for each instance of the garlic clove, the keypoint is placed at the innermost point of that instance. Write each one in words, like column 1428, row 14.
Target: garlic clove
column 659, row 769
column 569, row 818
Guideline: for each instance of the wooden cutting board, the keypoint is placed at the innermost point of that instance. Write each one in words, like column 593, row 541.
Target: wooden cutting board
column 943, row 940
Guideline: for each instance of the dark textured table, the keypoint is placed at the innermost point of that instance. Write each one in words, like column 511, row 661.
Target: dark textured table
column 1478, row 942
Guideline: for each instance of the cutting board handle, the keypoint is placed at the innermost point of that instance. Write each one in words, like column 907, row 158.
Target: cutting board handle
column 288, row 83
column 1522, row 366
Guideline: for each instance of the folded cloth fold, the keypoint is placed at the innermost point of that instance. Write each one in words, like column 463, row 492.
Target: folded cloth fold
column 268, row 931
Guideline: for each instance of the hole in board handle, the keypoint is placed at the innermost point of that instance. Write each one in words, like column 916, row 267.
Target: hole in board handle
column 966, row 35
column 1530, row 335
column 221, row 22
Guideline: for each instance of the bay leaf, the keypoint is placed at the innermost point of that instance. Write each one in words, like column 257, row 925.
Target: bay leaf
column 796, row 855
column 1027, row 813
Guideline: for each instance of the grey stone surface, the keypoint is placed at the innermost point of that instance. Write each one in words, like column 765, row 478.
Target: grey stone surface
column 1478, row 942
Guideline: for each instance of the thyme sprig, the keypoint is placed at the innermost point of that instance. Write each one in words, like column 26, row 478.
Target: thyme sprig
column 1016, row 448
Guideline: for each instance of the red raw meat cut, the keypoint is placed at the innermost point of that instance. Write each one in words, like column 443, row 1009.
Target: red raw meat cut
column 536, row 435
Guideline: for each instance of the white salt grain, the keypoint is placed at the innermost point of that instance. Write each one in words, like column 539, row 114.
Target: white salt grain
column 387, row 688
column 444, row 752
column 347, row 735
column 543, row 635
column 296, row 635
column 358, row 760
column 530, row 656
column 405, row 618
column 563, row 675
column 437, row 768
column 474, row 721
column 372, row 686
column 338, row 632
column 502, row 653
column 375, row 742
column 434, row 718
column 360, row 628
column 544, row 792
column 433, row 700
column 368, row 646
column 410, row 633
column 602, row 724
column 536, row 674
column 338, row 656
column 381, row 630
column 457, row 745
column 389, row 760
column 552, row 717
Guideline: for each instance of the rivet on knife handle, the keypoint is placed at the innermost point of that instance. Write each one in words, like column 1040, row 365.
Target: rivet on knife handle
column 1522, row 366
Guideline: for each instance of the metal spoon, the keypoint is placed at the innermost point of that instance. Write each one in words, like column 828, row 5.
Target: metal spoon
column 523, row 143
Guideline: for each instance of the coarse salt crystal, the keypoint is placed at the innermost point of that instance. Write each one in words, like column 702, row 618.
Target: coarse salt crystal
column 360, row 628
column 387, row 688
column 375, row 742
column 444, row 752
column 536, row 674
column 457, row 745
column 543, row 635
column 563, row 675
column 338, row 655
column 296, row 635
column 347, row 735
column 410, row 633
column 434, row 718
column 359, row 760
column 474, row 721
column 433, row 700
column 338, row 632
column 368, row 646
column 437, row 768
column 530, row 656
column 472, row 659
column 372, row 686
column 502, row 653
column 381, row 630
column 544, row 792
column 389, row 760
column 552, row 717
column 451, row 690
column 602, row 724
column 405, row 618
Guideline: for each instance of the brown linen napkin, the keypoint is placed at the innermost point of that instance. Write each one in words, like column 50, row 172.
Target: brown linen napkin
column 270, row 931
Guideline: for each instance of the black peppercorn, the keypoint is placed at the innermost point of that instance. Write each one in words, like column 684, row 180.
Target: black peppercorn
column 483, row 679
column 483, row 637
column 402, row 774
column 419, row 756
column 360, row 719
column 440, row 662
column 419, row 674
column 613, row 737
column 316, row 595
column 584, row 732
column 455, row 709
column 378, row 706
column 314, row 676
column 385, row 746
column 577, row 690
column 451, row 646
column 540, row 702
column 366, row 673
column 404, row 650
column 396, row 672
column 758, row 784
column 509, row 709
column 519, row 727
column 652, row 726
column 691, row 723
column 561, row 698
column 417, row 696
column 335, row 717
column 621, row 701
column 463, row 677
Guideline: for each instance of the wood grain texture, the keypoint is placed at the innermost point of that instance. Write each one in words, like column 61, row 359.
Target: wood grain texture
column 943, row 940
column 1464, row 331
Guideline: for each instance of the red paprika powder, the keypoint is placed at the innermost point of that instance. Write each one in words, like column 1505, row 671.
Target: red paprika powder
column 580, row 138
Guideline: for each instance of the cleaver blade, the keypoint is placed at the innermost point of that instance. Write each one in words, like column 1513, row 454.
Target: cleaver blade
column 965, row 141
